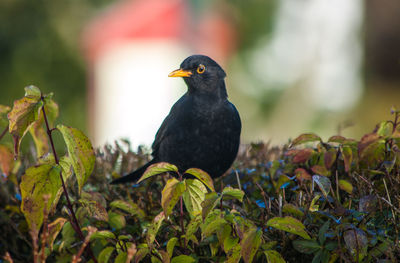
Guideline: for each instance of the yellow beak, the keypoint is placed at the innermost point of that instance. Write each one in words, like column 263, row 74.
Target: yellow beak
column 180, row 73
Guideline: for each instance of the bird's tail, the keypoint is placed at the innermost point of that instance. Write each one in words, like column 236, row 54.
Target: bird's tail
column 133, row 176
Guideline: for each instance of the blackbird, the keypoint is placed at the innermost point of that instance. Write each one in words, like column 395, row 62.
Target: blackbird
column 202, row 129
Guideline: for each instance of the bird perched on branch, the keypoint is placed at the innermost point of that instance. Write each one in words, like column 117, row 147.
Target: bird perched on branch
column 202, row 129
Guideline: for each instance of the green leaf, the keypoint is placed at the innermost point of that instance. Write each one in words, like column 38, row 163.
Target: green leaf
column 313, row 206
column 104, row 234
column 105, row 254
column 171, row 193
column 129, row 207
column 212, row 227
column 292, row 210
column 194, row 196
column 53, row 229
column 32, row 92
column 346, row 186
column 116, row 220
column 80, row 151
column 273, row 256
column 183, row 259
column 322, row 232
column 371, row 149
column 171, row 245
column 121, row 258
column 156, row 169
column 193, row 226
column 154, row 227
column 289, row 224
column 250, row 244
column 323, row 183
column 385, row 129
column 35, row 183
column 140, row 254
column 202, row 176
column 231, row 193
column 211, row 200
column 4, row 110
column 94, row 205
column 306, row 137
column 306, row 246
column 23, row 114
column 234, row 254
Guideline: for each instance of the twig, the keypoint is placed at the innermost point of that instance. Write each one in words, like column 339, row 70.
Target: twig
column 8, row 258
column 131, row 252
column 4, row 132
column 75, row 222
column 77, row 258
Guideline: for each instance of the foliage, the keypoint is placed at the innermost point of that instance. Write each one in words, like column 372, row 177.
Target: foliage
column 312, row 201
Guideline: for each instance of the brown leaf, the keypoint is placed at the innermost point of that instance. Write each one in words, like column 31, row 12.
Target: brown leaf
column 302, row 156
column 6, row 160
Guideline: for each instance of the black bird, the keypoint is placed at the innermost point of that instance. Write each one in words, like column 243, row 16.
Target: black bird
column 202, row 129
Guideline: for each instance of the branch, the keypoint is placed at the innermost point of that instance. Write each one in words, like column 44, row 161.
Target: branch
column 75, row 222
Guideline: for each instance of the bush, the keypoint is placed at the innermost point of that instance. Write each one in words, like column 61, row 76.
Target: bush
column 309, row 201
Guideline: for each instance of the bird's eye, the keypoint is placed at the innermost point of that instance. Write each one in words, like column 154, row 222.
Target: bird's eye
column 201, row 68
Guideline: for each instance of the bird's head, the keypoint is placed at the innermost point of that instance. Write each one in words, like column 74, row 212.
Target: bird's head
column 201, row 74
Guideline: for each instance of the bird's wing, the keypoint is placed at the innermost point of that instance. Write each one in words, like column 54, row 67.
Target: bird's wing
column 165, row 129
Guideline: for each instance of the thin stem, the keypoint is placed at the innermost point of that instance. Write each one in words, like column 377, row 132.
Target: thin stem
column 181, row 215
column 4, row 132
column 75, row 222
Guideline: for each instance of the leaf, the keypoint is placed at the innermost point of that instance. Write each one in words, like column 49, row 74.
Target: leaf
column 94, row 205
column 250, row 243
column 347, row 155
column 306, row 246
column 313, row 206
column 116, row 220
column 23, row 114
column 273, row 256
column 4, row 110
column 171, row 193
column 129, row 207
column 368, row 204
column 156, row 169
column 105, row 254
column 32, row 92
column 212, row 227
column 302, row 174
column 80, row 151
column 384, row 129
column 6, row 160
column 320, row 170
column 35, row 183
column 193, row 226
column 183, row 259
column 306, row 137
column 337, row 139
column 346, row 186
column 322, row 232
column 290, row 225
column 371, row 148
column 302, row 156
column 194, row 196
column 231, row 193
column 140, row 254
column 330, row 158
column 154, row 227
column 53, row 229
column 356, row 240
column 211, row 200
column 234, row 254
column 171, row 245
column 292, row 210
column 202, row 176
column 121, row 258
column 104, row 234
column 323, row 183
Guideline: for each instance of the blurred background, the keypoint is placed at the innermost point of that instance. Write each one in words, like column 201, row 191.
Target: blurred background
column 329, row 67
